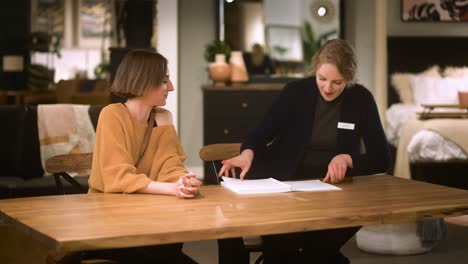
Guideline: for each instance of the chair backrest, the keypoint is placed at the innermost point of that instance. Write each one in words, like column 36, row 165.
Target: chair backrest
column 216, row 152
column 60, row 165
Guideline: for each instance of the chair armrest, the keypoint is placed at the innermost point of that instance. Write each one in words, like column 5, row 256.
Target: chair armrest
column 219, row 151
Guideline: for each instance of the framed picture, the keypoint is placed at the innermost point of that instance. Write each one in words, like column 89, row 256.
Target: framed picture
column 94, row 22
column 284, row 43
column 434, row 10
column 48, row 21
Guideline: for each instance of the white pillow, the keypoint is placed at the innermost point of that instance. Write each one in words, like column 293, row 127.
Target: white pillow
column 401, row 83
column 392, row 239
column 431, row 90
column 456, row 72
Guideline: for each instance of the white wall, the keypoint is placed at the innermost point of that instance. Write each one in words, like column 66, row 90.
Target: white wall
column 71, row 61
column 168, row 46
column 319, row 27
column 197, row 25
column 359, row 31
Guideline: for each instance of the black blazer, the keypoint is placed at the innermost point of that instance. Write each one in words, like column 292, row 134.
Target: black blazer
column 279, row 140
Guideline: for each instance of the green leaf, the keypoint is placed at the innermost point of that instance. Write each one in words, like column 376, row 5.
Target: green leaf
column 217, row 47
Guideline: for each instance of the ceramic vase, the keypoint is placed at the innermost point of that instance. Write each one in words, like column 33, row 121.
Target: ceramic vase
column 220, row 71
column 238, row 69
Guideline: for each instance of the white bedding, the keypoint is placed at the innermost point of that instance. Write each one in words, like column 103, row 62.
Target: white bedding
column 396, row 116
column 424, row 145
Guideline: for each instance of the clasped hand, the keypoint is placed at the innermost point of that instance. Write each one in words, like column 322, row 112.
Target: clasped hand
column 188, row 186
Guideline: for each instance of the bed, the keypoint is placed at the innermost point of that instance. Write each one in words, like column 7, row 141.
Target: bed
column 433, row 157
column 432, row 150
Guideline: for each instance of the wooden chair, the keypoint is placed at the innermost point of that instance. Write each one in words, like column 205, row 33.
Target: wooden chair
column 215, row 153
column 60, row 165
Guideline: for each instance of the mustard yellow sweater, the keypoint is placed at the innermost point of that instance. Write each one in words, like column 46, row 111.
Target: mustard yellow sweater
column 119, row 139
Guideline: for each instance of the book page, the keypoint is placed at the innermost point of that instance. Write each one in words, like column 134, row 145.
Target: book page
column 311, row 186
column 269, row 185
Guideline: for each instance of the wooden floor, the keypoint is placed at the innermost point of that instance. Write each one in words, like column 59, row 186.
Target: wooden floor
column 453, row 250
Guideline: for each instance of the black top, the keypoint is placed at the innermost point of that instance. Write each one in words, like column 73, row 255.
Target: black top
column 280, row 139
column 322, row 142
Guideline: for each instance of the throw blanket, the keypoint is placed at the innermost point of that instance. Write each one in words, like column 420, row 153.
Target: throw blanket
column 452, row 129
column 64, row 129
column 455, row 130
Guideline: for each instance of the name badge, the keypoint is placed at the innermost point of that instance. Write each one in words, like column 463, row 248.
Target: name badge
column 343, row 125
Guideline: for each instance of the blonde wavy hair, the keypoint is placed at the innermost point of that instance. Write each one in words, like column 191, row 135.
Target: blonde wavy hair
column 339, row 53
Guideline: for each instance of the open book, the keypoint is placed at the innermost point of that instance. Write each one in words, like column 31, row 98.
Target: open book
column 271, row 185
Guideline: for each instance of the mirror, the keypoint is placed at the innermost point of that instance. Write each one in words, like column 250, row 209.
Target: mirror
column 288, row 32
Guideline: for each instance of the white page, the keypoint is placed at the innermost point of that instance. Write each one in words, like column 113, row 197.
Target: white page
column 311, row 186
column 269, row 185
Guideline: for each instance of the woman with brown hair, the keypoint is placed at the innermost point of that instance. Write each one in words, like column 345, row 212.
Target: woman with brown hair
column 137, row 149
column 314, row 129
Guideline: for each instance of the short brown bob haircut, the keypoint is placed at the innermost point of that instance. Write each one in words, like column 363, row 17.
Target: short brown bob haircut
column 339, row 53
column 139, row 71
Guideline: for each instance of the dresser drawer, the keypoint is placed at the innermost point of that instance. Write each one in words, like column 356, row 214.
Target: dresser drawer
column 239, row 104
column 227, row 131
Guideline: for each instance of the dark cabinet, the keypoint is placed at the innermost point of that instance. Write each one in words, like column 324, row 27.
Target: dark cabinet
column 230, row 114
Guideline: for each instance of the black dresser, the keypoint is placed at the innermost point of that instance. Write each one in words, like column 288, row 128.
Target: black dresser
column 231, row 112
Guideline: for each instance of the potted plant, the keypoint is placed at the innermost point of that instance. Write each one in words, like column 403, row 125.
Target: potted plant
column 217, row 53
column 217, row 47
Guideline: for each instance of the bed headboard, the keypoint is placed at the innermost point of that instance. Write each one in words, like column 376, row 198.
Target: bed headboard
column 415, row 54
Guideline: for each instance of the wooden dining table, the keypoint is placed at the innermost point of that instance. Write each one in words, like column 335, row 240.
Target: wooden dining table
column 71, row 223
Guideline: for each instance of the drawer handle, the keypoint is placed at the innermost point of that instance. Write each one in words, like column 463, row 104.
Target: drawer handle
column 244, row 104
column 226, row 131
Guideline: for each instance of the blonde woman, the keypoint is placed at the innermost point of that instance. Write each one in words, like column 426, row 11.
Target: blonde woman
column 314, row 130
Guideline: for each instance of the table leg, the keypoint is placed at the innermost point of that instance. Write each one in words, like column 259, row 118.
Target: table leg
column 17, row 247
column 72, row 258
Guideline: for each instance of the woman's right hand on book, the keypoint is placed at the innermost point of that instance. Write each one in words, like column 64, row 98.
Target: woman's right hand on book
column 242, row 161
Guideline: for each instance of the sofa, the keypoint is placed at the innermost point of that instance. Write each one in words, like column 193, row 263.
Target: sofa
column 21, row 173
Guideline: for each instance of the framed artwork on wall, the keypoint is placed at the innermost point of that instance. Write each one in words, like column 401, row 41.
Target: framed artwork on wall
column 434, row 10
column 94, row 23
column 50, row 16
column 48, row 21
